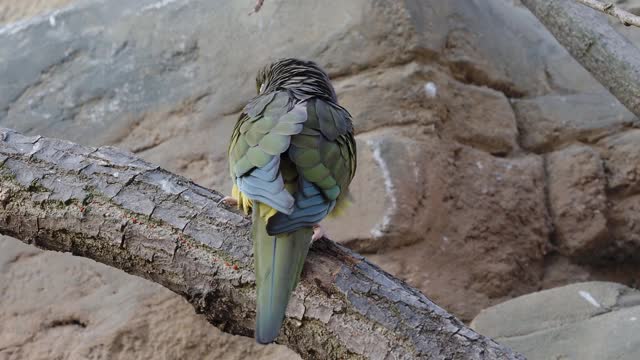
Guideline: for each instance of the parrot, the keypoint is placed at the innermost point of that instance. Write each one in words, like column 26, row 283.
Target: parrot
column 292, row 157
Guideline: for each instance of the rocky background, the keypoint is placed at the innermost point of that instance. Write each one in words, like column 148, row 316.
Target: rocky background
column 491, row 165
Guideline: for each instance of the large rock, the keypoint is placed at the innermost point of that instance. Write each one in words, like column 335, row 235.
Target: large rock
column 550, row 122
column 15, row 10
column 56, row 306
column 480, row 117
column 398, row 114
column 578, row 201
column 621, row 155
column 91, row 72
column 392, row 97
column 427, row 96
column 622, row 161
column 587, row 321
column 486, row 231
column 624, row 220
column 391, row 191
column 499, row 44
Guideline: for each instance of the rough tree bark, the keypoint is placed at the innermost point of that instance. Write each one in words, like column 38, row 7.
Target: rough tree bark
column 112, row 207
column 627, row 18
column 594, row 43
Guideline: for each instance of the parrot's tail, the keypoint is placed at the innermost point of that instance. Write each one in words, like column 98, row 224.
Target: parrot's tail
column 278, row 264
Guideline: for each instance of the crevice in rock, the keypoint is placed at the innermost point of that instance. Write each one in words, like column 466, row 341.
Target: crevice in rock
column 66, row 322
column 519, row 130
column 553, row 241
column 45, row 74
column 144, row 134
column 468, row 73
column 23, row 256
column 179, row 58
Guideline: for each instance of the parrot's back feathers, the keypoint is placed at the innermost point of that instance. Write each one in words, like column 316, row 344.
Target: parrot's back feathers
column 262, row 134
column 324, row 169
column 292, row 156
column 328, row 158
column 309, row 209
column 257, row 105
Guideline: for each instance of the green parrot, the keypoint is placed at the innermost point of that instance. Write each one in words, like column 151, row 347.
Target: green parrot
column 292, row 157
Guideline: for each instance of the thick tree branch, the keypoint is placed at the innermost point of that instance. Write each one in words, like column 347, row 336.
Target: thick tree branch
column 112, row 207
column 594, row 43
column 625, row 17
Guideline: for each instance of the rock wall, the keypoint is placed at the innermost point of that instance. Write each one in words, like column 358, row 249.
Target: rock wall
column 11, row 11
column 490, row 163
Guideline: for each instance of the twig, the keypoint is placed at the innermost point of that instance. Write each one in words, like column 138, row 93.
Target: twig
column 625, row 17
column 258, row 6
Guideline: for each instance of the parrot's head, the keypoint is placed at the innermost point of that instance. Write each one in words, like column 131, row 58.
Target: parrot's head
column 300, row 76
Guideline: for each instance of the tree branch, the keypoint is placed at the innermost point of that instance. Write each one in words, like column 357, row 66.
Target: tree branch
column 625, row 17
column 594, row 43
column 112, row 207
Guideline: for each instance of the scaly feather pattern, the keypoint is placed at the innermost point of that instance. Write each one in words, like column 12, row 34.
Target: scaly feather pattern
column 292, row 157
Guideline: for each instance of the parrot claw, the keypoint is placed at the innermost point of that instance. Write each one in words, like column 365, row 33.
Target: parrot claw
column 228, row 201
column 318, row 232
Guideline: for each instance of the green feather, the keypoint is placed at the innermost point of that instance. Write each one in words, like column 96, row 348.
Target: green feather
column 285, row 128
column 288, row 170
column 325, row 119
column 338, row 120
column 330, row 152
column 279, row 261
column 305, row 157
column 343, row 176
column 245, row 126
column 309, row 131
column 258, row 157
column 326, row 183
column 242, row 166
column 278, row 106
column 263, row 125
column 312, row 116
column 257, row 106
column 316, row 173
column 273, row 144
column 344, row 148
column 332, row 193
column 253, row 137
column 306, row 141
column 297, row 116
column 240, row 147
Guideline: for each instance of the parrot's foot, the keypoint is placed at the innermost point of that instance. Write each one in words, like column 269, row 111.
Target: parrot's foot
column 228, row 201
column 318, row 232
